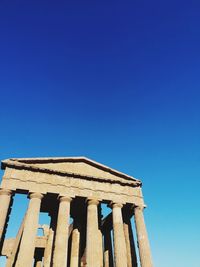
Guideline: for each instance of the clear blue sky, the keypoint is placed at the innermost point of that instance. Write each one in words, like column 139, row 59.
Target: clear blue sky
column 118, row 82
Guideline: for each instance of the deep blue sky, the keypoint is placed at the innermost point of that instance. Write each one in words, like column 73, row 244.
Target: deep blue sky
column 118, row 82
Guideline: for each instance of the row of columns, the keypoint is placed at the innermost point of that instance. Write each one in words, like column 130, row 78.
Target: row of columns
column 123, row 255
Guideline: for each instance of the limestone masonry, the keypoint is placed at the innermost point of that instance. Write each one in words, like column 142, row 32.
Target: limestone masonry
column 71, row 191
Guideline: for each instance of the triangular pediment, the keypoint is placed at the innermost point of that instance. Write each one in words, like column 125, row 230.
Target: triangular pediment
column 74, row 166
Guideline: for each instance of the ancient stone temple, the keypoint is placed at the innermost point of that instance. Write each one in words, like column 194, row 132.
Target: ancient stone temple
column 72, row 191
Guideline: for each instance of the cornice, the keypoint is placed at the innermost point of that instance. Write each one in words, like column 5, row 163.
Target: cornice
column 24, row 166
column 70, row 159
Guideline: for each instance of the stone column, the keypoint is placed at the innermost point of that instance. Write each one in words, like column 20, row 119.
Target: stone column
column 130, row 244
column 119, row 239
column 143, row 242
column 100, row 248
column 74, row 260
column 108, row 255
column 92, row 235
column 27, row 245
column 48, row 249
column 83, row 230
column 100, row 236
column 5, row 198
column 62, row 230
column 38, row 263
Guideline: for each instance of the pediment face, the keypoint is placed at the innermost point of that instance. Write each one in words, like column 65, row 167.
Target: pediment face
column 81, row 166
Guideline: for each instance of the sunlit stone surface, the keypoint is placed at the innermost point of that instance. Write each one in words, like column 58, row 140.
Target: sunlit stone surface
column 71, row 191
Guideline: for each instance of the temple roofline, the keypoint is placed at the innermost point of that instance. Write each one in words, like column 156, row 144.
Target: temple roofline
column 25, row 163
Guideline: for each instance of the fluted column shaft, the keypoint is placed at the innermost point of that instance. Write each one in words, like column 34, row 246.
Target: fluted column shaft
column 130, row 244
column 74, row 260
column 119, row 239
column 92, row 236
column 5, row 198
column 143, row 242
column 61, row 238
column 27, row 245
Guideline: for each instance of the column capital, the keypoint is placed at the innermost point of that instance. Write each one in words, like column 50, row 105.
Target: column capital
column 116, row 205
column 92, row 201
column 4, row 191
column 139, row 207
column 35, row 195
column 65, row 199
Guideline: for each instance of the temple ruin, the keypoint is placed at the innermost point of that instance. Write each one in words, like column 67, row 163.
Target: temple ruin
column 72, row 191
